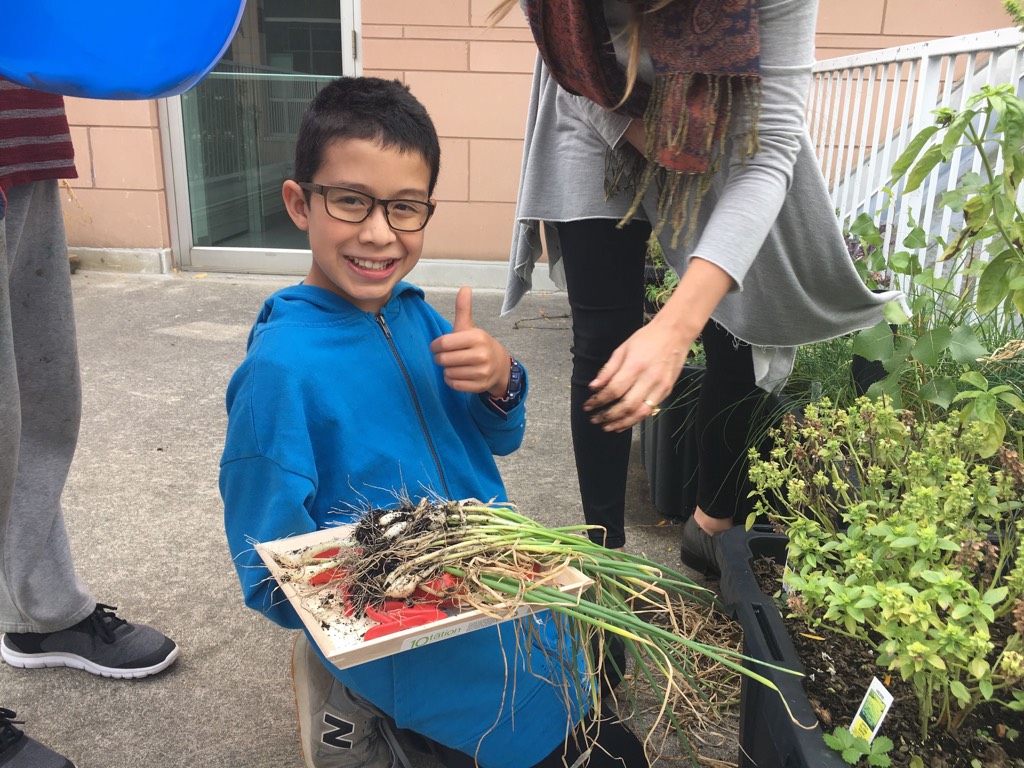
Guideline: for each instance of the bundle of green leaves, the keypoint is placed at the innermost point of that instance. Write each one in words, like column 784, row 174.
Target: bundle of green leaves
column 903, row 536
column 959, row 349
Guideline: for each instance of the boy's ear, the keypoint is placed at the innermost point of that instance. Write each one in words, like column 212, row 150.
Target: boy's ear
column 295, row 203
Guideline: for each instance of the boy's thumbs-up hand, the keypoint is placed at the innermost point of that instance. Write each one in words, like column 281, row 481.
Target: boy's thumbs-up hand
column 473, row 360
column 463, row 310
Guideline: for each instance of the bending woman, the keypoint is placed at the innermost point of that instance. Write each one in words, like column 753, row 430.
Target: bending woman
column 684, row 118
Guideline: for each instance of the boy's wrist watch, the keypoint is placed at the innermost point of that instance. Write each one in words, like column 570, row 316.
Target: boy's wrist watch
column 516, row 375
column 515, row 379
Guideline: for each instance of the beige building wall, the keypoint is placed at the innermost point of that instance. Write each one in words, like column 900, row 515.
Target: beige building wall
column 475, row 82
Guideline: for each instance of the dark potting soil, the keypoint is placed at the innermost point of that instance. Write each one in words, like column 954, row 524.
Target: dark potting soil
column 839, row 671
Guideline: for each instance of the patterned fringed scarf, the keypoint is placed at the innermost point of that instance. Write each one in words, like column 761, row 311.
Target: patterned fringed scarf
column 705, row 55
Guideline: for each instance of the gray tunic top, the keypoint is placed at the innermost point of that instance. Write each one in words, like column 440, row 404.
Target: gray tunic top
column 768, row 222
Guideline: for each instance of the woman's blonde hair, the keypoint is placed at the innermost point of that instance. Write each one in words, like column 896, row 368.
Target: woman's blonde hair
column 634, row 29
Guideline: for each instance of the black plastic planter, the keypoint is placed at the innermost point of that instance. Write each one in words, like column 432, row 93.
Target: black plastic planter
column 668, row 448
column 768, row 736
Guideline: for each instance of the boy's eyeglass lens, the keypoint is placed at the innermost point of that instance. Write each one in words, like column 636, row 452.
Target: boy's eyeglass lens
column 354, row 207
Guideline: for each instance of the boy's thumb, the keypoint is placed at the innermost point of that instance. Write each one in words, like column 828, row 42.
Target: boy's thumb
column 463, row 309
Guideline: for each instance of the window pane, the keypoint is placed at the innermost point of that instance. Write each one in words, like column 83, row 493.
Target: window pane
column 240, row 121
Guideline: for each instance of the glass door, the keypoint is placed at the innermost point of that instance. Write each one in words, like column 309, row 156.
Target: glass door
column 237, row 136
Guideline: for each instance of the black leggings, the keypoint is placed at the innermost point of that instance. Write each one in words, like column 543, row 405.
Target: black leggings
column 604, row 271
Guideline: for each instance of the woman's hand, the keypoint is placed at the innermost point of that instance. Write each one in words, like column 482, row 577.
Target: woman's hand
column 638, row 376
column 645, row 367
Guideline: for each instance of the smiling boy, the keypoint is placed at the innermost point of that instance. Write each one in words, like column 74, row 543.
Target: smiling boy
column 355, row 392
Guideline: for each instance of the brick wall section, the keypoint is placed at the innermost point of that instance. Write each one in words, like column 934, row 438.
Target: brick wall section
column 474, row 80
column 853, row 26
column 118, row 199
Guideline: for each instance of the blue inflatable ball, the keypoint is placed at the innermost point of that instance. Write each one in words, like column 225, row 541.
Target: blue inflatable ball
column 114, row 49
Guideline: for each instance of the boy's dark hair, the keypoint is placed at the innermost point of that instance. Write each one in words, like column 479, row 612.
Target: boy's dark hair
column 368, row 108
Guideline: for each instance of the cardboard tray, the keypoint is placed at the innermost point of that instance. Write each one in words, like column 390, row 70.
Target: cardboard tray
column 341, row 641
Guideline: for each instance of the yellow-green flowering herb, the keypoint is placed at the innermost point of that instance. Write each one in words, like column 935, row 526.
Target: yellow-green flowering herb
column 915, row 545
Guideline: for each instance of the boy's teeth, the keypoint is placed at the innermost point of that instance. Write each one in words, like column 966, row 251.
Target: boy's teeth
column 367, row 264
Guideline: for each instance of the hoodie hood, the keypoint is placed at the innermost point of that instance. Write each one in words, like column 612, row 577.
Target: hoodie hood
column 310, row 305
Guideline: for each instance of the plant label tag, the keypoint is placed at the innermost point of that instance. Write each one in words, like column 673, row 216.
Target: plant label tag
column 786, row 570
column 872, row 710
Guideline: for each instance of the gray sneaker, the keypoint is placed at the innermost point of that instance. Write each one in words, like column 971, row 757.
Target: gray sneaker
column 337, row 728
column 101, row 643
column 19, row 751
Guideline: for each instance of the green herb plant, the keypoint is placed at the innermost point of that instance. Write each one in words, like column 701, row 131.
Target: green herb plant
column 960, row 347
column 854, row 749
column 902, row 537
column 658, row 290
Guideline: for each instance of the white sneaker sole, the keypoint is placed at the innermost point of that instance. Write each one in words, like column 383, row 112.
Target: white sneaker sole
column 38, row 661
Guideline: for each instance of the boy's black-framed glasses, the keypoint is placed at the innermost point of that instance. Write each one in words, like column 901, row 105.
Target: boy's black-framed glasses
column 352, row 206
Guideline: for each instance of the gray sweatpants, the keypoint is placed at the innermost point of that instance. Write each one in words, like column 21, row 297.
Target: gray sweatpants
column 40, row 410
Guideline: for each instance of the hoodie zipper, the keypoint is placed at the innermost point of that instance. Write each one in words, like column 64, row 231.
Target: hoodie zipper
column 416, row 403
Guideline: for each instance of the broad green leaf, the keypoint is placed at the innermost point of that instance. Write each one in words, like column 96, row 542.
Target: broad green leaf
column 929, row 347
column 964, row 345
column 940, row 390
column 961, row 610
column 994, row 435
column 936, row 661
column 890, row 388
column 978, row 667
column 900, row 354
column 874, row 343
column 894, row 313
column 971, row 182
column 916, row 239
column 971, row 394
column 995, row 280
column 902, row 262
column 905, row 160
column 995, row 595
column 866, row 229
column 954, row 198
column 955, row 131
column 924, row 166
column 1004, row 209
column 975, row 379
column 1013, row 400
column 985, row 408
column 959, row 690
column 985, row 686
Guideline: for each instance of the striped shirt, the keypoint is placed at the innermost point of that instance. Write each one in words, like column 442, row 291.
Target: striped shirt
column 35, row 142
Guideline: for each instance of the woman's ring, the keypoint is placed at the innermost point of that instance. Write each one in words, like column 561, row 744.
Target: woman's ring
column 655, row 410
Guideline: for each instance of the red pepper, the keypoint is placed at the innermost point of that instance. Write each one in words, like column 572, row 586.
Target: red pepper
column 397, row 616
column 441, row 591
column 326, row 576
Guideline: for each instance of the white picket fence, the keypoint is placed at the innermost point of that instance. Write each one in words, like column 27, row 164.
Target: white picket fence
column 864, row 109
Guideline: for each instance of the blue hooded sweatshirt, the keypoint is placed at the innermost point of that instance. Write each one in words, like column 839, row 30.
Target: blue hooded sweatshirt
column 335, row 410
